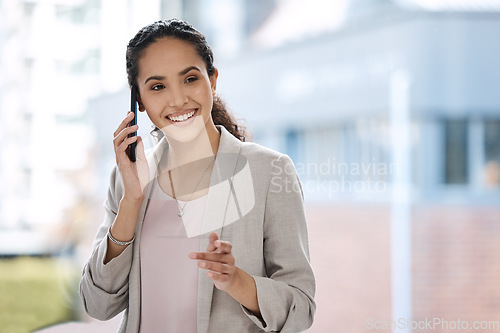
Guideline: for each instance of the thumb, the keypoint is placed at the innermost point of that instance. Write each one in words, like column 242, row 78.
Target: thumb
column 142, row 164
column 140, row 146
column 211, row 240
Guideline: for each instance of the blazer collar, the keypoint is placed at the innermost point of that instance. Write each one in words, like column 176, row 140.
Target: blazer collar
column 218, row 195
column 225, row 161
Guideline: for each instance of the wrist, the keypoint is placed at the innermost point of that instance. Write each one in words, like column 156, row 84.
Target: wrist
column 132, row 201
column 118, row 242
column 244, row 291
column 236, row 284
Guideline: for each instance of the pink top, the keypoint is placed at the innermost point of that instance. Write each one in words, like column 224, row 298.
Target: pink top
column 169, row 279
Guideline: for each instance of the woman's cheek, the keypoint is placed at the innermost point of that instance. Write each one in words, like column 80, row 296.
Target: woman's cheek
column 204, row 92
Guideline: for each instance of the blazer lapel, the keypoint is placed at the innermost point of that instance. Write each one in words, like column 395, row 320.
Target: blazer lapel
column 213, row 221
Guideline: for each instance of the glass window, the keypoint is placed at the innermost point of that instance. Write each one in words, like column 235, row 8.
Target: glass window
column 291, row 141
column 492, row 140
column 492, row 153
column 456, row 154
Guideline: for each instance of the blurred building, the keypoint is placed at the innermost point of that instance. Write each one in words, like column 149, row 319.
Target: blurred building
column 333, row 100
column 327, row 100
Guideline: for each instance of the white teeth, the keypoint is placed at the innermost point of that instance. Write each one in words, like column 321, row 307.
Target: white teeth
column 182, row 117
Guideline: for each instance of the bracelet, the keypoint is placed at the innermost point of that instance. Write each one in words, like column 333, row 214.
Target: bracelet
column 117, row 241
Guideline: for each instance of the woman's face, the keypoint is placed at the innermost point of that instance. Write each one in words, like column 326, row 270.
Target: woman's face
column 175, row 89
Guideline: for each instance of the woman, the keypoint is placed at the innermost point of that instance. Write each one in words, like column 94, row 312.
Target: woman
column 205, row 232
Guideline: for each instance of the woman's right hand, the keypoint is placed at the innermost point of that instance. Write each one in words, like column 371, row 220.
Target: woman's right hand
column 135, row 175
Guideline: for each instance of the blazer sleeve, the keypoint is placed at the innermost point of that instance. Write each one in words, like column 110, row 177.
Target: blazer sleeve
column 286, row 295
column 104, row 287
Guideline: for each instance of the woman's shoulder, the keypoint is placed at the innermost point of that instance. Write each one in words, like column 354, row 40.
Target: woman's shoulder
column 261, row 155
column 252, row 150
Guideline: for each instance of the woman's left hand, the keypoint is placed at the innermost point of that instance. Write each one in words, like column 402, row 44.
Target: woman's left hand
column 219, row 262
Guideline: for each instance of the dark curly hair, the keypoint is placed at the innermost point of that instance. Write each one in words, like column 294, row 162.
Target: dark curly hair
column 184, row 31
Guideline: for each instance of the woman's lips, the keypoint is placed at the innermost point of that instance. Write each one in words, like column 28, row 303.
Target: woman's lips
column 182, row 115
column 182, row 118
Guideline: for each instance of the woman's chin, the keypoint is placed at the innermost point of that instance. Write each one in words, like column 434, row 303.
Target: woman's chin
column 185, row 134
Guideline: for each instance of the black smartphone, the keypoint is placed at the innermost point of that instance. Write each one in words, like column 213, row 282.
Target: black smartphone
column 133, row 107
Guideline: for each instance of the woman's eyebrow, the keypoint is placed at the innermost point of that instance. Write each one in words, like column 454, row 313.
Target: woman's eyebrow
column 181, row 73
column 187, row 69
column 154, row 77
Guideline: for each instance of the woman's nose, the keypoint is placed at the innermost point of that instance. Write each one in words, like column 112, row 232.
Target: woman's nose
column 177, row 98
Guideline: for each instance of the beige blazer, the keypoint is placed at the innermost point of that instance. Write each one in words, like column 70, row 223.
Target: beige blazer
column 255, row 201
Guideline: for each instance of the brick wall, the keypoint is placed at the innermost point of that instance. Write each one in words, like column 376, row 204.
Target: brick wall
column 455, row 260
column 350, row 253
column 456, row 264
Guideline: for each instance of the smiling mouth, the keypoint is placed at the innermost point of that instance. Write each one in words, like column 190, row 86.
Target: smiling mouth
column 182, row 117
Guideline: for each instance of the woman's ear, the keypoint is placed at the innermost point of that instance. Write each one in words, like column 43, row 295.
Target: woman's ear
column 213, row 80
column 139, row 101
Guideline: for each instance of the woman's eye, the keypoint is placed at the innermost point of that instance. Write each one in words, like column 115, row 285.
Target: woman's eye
column 157, row 87
column 191, row 79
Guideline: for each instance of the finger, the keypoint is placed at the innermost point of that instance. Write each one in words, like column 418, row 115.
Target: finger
column 127, row 130
column 212, row 256
column 124, row 123
column 124, row 145
column 218, row 277
column 211, row 240
column 124, row 134
column 223, row 246
column 217, row 267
